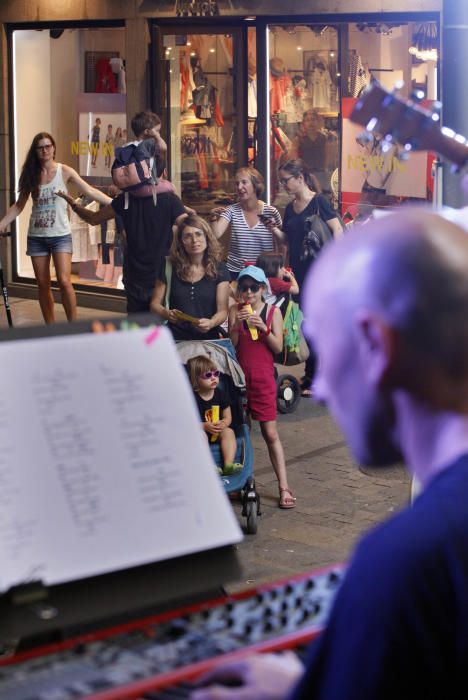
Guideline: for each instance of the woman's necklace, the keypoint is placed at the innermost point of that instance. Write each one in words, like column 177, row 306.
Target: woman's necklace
column 195, row 273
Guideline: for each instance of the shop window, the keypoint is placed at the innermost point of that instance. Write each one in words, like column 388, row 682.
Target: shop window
column 304, row 103
column 375, row 173
column 202, row 117
column 71, row 83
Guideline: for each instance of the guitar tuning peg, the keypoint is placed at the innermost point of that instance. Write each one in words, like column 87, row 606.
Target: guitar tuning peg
column 417, row 95
column 399, row 85
column 403, row 156
column 436, row 109
column 364, row 138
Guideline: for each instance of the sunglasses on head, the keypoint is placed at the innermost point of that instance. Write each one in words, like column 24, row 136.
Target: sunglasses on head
column 210, row 373
column 253, row 287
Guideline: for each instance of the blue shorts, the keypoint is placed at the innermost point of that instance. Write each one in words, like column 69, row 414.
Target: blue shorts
column 44, row 245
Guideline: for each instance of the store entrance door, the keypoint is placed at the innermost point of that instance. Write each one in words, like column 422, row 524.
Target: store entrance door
column 204, row 110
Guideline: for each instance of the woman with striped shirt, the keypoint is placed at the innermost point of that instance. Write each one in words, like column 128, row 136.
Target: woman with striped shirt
column 254, row 224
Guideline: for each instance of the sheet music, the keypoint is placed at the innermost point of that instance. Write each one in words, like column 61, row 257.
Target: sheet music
column 103, row 464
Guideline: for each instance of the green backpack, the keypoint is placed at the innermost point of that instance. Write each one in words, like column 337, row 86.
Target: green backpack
column 295, row 348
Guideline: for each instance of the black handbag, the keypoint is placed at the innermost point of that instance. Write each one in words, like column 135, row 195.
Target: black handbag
column 316, row 234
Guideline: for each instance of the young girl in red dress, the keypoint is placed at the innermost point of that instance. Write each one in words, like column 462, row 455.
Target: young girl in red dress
column 256, row 331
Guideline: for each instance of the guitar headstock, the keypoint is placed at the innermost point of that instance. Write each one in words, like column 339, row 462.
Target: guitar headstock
column 408, row 124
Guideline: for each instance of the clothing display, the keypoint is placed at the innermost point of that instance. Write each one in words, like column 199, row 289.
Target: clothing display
column 358, row 75
column 398, row 625
column 84, row 248
column 319, row 84
column 118, row 68
column 105, row 80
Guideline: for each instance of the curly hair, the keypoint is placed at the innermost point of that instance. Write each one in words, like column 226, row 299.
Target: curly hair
column 30, row 177
column 211, row 254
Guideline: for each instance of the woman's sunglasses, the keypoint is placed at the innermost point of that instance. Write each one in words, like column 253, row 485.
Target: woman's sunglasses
column 254, row 288
column 211, row 373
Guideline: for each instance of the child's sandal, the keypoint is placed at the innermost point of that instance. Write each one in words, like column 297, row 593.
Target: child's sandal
column 287, row 500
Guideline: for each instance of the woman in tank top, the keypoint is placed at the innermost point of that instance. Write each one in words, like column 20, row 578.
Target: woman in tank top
column 49, row 232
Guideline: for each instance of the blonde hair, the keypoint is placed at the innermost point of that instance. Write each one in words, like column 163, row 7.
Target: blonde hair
column 199, row 365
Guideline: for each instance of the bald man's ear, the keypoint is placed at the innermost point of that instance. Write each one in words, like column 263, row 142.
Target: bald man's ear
column 377, row 347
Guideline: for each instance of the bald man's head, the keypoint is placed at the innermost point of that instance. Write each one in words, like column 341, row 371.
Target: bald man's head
column 387, row 309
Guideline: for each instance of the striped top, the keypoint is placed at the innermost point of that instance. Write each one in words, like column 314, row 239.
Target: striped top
column 247, row 243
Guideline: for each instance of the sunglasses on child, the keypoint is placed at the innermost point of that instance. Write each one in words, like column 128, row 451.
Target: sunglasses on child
column 254, row 288
column 211, row 373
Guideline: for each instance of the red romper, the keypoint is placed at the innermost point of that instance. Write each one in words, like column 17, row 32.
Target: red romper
column 256, row 360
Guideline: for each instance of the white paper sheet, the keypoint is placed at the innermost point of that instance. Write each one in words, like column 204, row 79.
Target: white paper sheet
column 103, row 465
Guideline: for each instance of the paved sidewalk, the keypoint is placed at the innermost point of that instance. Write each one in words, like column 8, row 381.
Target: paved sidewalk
column 336, row 500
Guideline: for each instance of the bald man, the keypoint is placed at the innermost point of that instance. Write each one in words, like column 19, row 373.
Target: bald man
column 387, row 312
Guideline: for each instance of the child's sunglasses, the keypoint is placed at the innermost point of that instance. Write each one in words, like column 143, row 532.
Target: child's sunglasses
column 211, row 373
column 245, row 288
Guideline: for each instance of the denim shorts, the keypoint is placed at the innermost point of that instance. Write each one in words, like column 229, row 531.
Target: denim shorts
column 43, row 245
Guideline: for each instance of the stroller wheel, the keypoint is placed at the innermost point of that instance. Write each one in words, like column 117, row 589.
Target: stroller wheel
column 251, row 513
column 288, row 393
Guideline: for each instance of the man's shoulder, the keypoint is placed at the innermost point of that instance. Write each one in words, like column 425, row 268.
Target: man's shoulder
column 423, row 531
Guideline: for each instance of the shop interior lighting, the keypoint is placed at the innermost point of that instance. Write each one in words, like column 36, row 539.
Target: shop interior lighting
column 425, row 42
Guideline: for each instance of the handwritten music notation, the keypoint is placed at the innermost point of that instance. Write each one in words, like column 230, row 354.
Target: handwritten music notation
column 101, row 445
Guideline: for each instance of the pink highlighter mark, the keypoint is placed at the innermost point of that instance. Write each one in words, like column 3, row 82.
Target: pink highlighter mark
column 151, row 337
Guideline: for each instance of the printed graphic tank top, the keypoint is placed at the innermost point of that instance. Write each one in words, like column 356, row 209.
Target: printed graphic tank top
column 49, row 215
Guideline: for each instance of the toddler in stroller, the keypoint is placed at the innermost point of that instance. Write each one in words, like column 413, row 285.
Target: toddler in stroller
column 283, row 285
column 220, row 355
column 215, row 410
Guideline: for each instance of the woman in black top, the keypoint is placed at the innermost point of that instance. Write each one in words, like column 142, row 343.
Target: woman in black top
column 299, row 182
column 198, row 285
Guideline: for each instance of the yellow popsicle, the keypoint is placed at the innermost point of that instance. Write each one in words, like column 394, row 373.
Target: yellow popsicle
column 252, row 329
column 214, row 419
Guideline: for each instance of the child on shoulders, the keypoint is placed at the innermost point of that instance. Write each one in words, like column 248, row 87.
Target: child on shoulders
column 215, row 411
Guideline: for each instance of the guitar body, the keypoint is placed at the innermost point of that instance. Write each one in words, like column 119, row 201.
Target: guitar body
column 408, row 124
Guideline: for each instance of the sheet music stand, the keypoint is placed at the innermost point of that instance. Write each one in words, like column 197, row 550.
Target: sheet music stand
column 32, row 614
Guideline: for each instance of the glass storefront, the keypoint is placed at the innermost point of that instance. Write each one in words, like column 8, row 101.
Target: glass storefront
column 71, row 83
column 202, row 115
column 316, row 73
column 224, row 103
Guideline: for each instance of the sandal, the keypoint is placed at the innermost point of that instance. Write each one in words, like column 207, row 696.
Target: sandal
column 306, row 387
column 287, row 500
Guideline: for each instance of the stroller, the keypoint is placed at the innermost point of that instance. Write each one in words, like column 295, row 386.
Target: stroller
column 222, row 353
column 288, row 390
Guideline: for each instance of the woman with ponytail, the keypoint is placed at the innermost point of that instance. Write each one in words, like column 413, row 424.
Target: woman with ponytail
column 302, row 231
